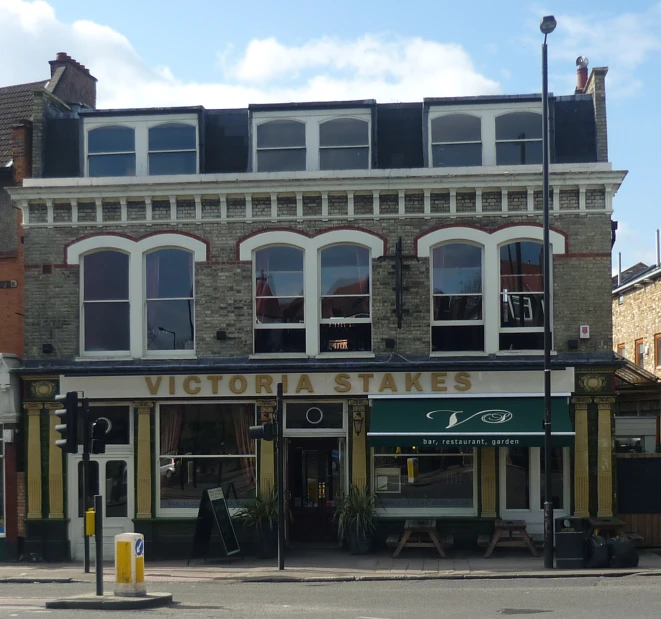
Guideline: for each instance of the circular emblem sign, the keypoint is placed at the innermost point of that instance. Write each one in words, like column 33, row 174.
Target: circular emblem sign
column 314, row 415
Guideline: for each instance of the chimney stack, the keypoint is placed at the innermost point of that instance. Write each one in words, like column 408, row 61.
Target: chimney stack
column 581, row 74
column 71, row 81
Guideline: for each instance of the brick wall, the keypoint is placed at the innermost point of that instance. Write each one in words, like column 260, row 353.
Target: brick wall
column 224, row 287
column 596, row 87
column 76, row 84
column 638, row 317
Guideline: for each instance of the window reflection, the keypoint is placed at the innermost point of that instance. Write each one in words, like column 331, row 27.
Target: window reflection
column 456, row 140
column 344, row 144
column 116, row 489
column 519, row 138
column 281, row 146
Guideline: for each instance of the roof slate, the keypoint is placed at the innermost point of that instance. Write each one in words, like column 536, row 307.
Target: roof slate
column 15, row 105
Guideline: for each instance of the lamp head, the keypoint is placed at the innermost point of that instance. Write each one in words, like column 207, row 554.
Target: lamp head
column 548, row 24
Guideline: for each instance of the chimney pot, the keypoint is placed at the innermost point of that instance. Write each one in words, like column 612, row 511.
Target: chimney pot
column 581, row 73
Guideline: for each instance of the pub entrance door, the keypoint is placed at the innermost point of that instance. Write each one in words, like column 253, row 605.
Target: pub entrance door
column 314, row 484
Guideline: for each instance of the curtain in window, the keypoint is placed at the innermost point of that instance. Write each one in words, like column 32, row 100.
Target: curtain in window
column 172, row 422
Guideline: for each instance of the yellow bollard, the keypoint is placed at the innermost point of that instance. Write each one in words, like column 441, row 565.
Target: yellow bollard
column 90, row 522
column 130, row 565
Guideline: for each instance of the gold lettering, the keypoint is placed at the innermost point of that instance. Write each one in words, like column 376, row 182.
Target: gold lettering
column 214, row 383
column 412, row 381
column 171, row 385
column 366, row 381
column 462, row 381
column 153, row 386
column 304, row 383
column 388, row 382
column 243, row 384
column 438, row 381
column 264, row 381
column 285, row 383
column 187, row 384
column 342, row 383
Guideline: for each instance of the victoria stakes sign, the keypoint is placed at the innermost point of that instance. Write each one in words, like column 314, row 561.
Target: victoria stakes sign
column 313, row 385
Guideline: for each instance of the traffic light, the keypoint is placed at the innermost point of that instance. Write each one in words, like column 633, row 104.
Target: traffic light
column 265, row 432
column 100, row 428
column 69, row 426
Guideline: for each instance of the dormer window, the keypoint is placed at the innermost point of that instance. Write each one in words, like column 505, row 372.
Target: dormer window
column 141, row 145
column 519, row 138
column 456, row 140
column 172, row 149
column 111, row 151
column 281, row 146
column 344, row 144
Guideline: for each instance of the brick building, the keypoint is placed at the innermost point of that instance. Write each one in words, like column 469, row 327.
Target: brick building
column 181, row 262
column 25, row 111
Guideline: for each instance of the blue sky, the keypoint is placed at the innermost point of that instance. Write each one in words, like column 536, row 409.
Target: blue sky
column 222, row 54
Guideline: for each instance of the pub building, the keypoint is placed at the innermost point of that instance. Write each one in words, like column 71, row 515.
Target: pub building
column 383, row 262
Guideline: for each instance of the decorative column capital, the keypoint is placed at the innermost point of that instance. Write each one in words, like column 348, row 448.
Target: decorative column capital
column 53, row 406
column 266, row 410
column 581, row 401
column 33, row 408
column 143, row 408
column 605, row 402
column 358, row 403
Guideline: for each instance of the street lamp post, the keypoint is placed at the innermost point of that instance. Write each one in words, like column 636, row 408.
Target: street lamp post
column 547, row 26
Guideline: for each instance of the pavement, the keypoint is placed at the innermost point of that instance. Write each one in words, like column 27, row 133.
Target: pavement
column 332, row 565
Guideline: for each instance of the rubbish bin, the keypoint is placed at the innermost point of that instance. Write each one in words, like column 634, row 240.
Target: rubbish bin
column 570, row 536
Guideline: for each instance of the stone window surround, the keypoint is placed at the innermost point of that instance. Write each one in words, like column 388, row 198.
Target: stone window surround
column 141, row 126
column 312, row 120
column 488, row 115
column 136, row 249
column 312, row 247
column 490, row 242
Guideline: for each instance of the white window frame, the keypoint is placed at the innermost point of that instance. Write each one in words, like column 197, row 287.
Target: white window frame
column 488, row 114
column 321, row 432
column 312, row 119
column 491, row 241
column 516, row 141
column 192, row 512
column 276, row 326
column 136, row 249
column 458, row 323
column 427, row 512
column 432, row 143
column 141, row 126
column 534, row 515
column 311, row 247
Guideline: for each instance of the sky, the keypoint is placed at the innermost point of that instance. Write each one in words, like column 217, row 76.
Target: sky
column 222, row 55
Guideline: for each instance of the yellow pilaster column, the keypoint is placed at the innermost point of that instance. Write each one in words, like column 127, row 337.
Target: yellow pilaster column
column 357, row 410
column 34, row 459
column 55, row 466
column 488, row 481
column 604, row 458
column 143, row 460
column 581, row 458
column 265, row 410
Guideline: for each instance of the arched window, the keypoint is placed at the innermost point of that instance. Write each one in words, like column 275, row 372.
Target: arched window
column 173, row 149
column 170, row 299
column 111, row 151
column 519, row 138
column 281, row 146
column 456, row 140
column 522, row 296
column 279, row 300
column 345, row 299
column 457, row 315
column 105, row 302
column 344, row 144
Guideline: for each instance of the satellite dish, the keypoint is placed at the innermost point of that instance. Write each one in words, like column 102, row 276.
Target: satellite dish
column 582, row 62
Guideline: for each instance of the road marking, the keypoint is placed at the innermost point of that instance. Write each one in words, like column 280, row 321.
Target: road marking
column 371, row 618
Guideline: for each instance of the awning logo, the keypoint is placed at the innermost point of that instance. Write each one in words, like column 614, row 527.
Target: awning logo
column 494, row 415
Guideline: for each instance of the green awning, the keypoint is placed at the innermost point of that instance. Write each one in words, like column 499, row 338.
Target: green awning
column 468, row 422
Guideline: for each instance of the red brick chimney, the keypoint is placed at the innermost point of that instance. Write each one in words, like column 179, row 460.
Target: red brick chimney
column 75, row 84
column 581, row 74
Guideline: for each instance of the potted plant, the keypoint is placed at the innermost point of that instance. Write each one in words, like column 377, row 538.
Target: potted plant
column 356, row 519
column 262, row 517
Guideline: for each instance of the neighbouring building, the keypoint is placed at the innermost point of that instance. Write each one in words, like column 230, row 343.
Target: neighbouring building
column 382, row 261
column 25, row 114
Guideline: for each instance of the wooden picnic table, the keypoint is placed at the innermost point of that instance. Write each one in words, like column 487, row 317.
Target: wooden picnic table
column 414, row 531
column 510, row 527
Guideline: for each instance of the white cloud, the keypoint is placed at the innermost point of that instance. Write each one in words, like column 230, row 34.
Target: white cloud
column 372, row 66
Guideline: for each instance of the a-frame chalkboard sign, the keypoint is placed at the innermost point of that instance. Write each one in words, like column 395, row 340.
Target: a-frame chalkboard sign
column 213, row 512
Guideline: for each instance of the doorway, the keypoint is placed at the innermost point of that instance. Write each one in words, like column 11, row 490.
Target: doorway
column 314, row 487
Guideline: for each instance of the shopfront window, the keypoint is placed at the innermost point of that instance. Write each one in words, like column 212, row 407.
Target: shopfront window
column 557, row 469
column 204, row 446
column 518, row 478
column 425, row 477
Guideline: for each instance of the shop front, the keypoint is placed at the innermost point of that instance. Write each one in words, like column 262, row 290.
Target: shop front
column 453, row 446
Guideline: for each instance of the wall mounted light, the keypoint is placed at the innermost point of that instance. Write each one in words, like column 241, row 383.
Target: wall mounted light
column 358, row 420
